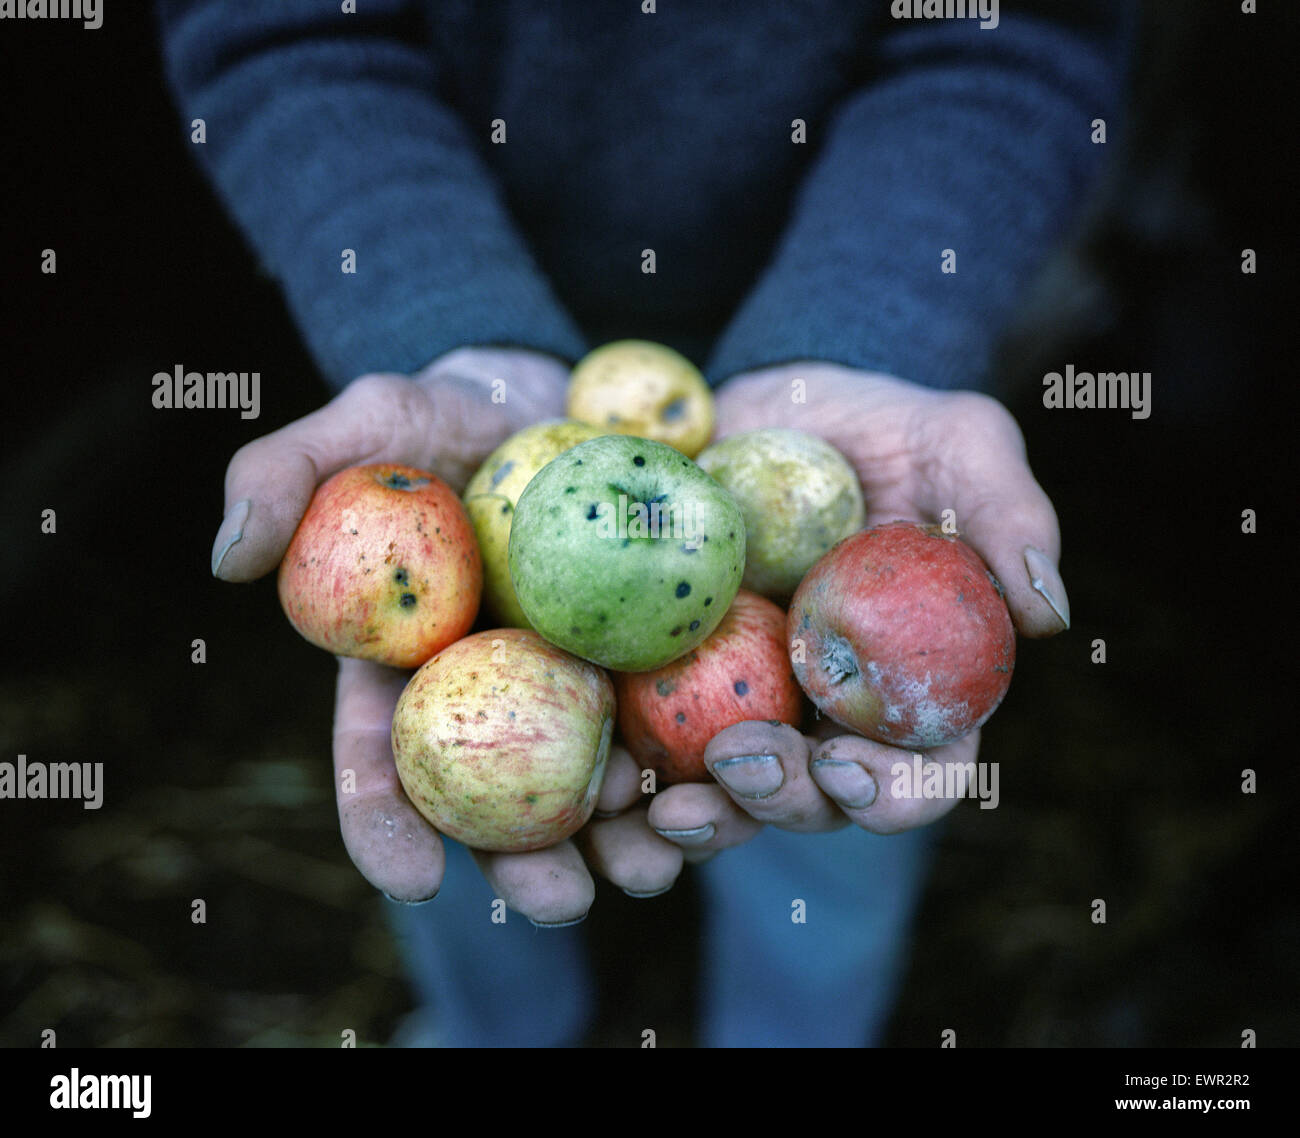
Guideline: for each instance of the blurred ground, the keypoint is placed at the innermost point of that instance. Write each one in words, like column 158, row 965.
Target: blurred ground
column 1119, row 781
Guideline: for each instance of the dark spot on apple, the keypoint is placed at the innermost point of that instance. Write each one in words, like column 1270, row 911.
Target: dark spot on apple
column 742, row 688
column 694, row 625
column 401, row 576
column 674, row 410
column 530, row 799
column 502, row 470
column 638, row 461
column 683, row 589
column 708, row 601
column 407, row 600
column 681, row 717
column 601, row 617
column 665, row 687
column 505, row 507
column 510, row 715
column 397, row 482
column 577, row 462
column 575, row 630
column 730, row 533
column 591, row 513
column 570, row 489
column 676, row 631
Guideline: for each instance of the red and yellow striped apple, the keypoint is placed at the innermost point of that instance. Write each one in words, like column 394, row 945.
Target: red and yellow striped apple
column 501, row 740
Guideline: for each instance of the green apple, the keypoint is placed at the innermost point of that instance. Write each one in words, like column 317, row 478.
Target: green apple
column 626, row 553
column 492, row 493
column 799, row 496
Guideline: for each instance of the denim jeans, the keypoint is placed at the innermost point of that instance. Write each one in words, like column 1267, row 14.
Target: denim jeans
column 805, row 944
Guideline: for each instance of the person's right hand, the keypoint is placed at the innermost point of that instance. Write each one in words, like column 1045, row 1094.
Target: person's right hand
column 444, row 420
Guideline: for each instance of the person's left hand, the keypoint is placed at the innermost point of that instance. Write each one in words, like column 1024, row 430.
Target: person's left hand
column 917, row 452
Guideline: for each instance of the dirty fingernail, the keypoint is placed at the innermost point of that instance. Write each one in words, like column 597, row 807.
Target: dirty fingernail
column 750, row 776
column 232, row 529
column 696, row 836
column 1046, row 580
column 848, row 783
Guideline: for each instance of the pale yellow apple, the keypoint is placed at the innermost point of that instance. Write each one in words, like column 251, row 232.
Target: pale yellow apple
column 799, row 496
column 635, row 387
column 493, row 492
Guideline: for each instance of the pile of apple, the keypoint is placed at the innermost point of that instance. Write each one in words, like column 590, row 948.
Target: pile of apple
column 635, row 578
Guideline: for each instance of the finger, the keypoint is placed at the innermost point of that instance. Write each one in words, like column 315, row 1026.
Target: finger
column 764, row 768
column 550, row 887
column 389, row 841
column 270, row 481
column 1004, row 514
column 874, row 785
column 701, row 819
column 622, row 786
column 627, row 852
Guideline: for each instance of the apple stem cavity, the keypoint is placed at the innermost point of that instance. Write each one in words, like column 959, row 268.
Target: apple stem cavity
column 838, row 660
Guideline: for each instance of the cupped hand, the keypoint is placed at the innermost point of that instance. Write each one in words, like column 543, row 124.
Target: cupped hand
column 446, row 420
column 918, row 452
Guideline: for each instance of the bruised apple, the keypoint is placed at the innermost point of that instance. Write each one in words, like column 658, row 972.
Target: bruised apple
column 741, row 672
column 491, row 497
column 638, row 387
column 799, row 496
column 900, row 632
column 501, row 740
column 384, row 566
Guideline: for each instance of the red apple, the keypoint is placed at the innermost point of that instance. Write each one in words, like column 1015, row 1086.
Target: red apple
column 900, row 632
column 384, row 566
column 740, row 672
column 501, row 740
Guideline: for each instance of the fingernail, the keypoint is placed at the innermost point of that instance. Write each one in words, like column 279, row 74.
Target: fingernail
column 697, row 836
column 409, row 904
column 848, row 783
column 232, row 529
column 1047, row 582
column 652, row 893
column 750, row 776
column 556, row 924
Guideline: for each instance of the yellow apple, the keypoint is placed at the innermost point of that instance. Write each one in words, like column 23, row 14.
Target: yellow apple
column 635, row 387
column 493, row 492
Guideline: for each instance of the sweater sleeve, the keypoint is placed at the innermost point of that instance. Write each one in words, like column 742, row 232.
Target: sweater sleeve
column 325, row 132
column 964, row 139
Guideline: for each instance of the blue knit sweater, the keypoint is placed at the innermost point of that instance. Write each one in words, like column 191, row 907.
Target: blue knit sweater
column 673, row 132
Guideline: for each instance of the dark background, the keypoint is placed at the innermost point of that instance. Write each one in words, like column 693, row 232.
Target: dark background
column 1119, row 781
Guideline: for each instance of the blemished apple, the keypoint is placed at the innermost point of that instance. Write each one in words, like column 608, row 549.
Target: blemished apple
column 741, row 672
column 640, row 388
column 501, row 740
column 799, row 496
column 490, row 501
column 901, row 633
column 626, row 553
column 384, row 566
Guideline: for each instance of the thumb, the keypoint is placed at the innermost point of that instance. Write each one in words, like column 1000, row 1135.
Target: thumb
column 1013, row 527
column 1004, row 514
column 270, row 481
